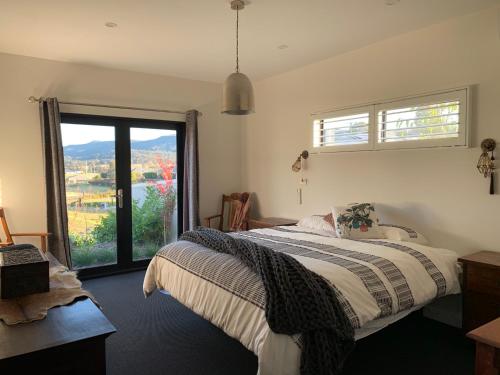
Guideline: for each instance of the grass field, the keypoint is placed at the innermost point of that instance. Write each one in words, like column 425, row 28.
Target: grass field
column 83, row 222
column 86, row 197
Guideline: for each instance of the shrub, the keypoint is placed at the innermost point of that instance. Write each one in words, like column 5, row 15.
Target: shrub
column 82, row 240
column 148, row 220
column 105, row 231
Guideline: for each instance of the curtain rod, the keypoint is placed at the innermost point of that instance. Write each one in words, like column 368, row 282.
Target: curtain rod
column 33, row 99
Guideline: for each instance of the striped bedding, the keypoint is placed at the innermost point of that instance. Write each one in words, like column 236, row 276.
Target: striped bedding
column 374, row 281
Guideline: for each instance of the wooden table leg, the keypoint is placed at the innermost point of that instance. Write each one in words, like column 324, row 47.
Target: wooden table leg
column 485, row 360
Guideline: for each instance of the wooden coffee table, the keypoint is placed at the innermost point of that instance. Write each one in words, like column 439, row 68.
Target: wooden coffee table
column 70, row 340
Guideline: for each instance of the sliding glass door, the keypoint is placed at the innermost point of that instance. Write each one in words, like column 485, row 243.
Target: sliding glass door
column 123, row 189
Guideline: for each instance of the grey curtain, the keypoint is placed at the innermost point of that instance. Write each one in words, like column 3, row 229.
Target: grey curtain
column 191, row 208
column 57, row 216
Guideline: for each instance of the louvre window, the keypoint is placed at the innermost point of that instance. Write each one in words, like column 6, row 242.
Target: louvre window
column 433, row 120
column 343, row 130
column 425, row 122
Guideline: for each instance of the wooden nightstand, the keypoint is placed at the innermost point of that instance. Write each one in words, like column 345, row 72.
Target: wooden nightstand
column 268, row 222
column 481, row 288
column 487, row 340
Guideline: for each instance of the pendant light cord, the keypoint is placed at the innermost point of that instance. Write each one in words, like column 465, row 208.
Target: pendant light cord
column 237, row 40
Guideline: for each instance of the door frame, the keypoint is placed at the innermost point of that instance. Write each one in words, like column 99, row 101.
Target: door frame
column 122, row 126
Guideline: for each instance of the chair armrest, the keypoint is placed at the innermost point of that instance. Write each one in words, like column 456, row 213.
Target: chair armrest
column 2, row 244
column 31, row 234
column 210, row 218
column 43, row 238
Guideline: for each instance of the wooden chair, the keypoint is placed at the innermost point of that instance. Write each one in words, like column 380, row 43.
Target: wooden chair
column 8, row 236
column 234, row 213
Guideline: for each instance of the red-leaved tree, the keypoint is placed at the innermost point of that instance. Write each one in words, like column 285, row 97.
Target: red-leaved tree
column 167, row 193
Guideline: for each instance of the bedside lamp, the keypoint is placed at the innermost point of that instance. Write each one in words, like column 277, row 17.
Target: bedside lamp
column 297, row 166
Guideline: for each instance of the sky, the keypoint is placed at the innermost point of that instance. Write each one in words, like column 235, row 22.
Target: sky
column 75, row 134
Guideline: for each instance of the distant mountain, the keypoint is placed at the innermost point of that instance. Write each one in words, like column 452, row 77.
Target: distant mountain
column 93, row 150
column 106, row 149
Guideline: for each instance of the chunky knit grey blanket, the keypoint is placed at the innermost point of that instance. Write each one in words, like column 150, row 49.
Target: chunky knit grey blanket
column 298, row 301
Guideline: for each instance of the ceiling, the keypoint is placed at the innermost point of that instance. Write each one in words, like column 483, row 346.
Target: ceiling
column 195, row 38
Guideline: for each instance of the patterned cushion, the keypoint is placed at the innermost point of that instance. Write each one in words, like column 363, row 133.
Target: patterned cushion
column 318, row 222
column 401, row 233
column 357, row 221
column 330, row 220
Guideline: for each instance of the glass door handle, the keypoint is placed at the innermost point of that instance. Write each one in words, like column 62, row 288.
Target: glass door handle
column 119, row 197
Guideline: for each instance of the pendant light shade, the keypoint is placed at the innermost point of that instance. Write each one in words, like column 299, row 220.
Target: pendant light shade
column 237, row 92
column 237, row 95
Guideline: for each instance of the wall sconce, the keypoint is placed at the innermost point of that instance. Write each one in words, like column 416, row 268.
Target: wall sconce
column 486, row 162
column 297, row 166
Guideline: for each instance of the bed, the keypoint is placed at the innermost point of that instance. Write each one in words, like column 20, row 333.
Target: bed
column 377, row 281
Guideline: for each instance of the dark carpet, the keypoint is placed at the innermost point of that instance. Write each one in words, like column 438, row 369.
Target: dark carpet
column 158, row 335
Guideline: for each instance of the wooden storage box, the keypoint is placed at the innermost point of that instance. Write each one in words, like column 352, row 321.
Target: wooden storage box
column 23, row 270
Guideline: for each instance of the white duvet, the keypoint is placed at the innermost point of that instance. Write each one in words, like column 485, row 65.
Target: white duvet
column 378, row 281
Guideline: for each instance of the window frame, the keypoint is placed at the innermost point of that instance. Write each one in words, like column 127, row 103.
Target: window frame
column 460, row 94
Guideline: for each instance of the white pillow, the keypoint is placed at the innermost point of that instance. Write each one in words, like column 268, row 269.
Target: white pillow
column 317, row 222
column 357, row 221
column 401, row 233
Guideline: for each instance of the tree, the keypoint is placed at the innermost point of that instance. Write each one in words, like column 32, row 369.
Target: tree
column 168, row 195
column 150, row 175
column 136, row 177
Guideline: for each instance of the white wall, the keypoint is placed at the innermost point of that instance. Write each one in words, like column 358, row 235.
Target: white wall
column 21, row 168
column 439, row 191
column 436, row 191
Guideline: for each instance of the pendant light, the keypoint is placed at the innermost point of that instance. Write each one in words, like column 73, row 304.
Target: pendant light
column 237, row 92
